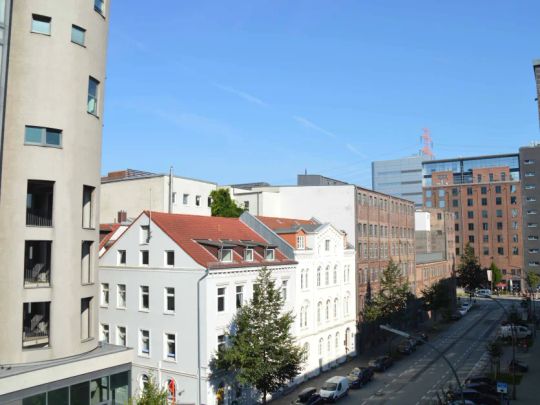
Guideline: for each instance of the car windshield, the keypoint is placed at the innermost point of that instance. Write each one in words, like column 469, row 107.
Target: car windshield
column 329, row 386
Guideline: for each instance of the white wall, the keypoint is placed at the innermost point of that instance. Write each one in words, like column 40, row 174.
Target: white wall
column 422, row 221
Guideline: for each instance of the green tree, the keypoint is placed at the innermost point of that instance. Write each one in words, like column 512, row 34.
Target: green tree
column 223, row 205
column 470, row 275
column 494, row 349
column 152, row 394
column 533, row 279
column 261, row 351
column 496, row 274
column 436, row 297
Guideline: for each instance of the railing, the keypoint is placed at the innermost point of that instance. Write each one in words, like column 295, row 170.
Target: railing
column 37, row 220
column 36, row 336
column 39, row 274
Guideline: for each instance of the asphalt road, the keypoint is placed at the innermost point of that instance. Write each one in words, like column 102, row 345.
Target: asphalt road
column 416, row 379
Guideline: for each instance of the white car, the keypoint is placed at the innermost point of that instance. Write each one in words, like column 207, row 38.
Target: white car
column 334, row 388
column 520, row 331
column 465, row 307
column 485, row 293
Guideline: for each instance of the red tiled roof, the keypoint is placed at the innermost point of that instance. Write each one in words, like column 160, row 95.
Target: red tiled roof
column 187, row 230
column 110, row 229
column 281, row 223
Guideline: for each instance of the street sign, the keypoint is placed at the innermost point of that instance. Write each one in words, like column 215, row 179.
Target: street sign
column 502, row 387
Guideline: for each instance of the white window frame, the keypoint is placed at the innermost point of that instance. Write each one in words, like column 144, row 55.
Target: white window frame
column 223, row 296
column 102, row 328
column 327, row 245
column 119, row 254
column 141, row 255
column 118, row 335
column 270, row 254
column 142, row 353
column 223, row 258
column 237, row 294
column 144, row 234
column 166, row 295
column 142, row 293
column 42, row 19
column 118, row 295
column 300, row 242
column 284, row 292
column 248, row 258
column 166, row 258
column 166, row 356
column 104, row 288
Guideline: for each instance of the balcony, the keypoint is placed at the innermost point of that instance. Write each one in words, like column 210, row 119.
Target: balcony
column 35, row 324
column 39, row 203
column 37, row 263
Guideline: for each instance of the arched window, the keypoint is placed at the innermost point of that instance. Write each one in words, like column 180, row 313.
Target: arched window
column 335, row 308
column 329, row 344
column 328, row 310
column 302, row 279
column 327, row 276
column 306, row 279
column 337, row 341
column 306, row 315
column 143, row 382
column 346, row 304
column 319, row 310
column 319, row 277
column 321, row 343
column 301, row 316
column 306, row 351
column 335, row 274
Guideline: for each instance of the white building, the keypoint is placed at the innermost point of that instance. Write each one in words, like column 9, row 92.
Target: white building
column 149, row 280
column 324, row 297
column 134, row 191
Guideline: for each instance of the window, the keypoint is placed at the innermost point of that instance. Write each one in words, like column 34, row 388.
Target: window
column 336, row 303
column 498, row 200
column 221, row 299
column 220, row 342
column 500, row 251
column 455, row 203
column 121, row 296
column 121, row 256
column 327, row 276
column 515, row 212
column 86, row 318
column 93, row 88
column 428, row 193
column 144, row 234
column 144, row 298
column 41, row 24
column 515, row 238
column 479, row 178
column 471, row 238
column 515, row 225
column 105, row 294
column 513, row 200
column 454, row 192
column 327, row 244
column 319, row 311
column 470, row 202
column 185, row 199
column 197, row 200
column 498, row 189
column 484, row 201
column 485, row 226
column 226, row 255
column 441, row 193
column 485, row 251
column 104, row 333
column 456, row 227
column 239, row 296
column 471, row 226
column 300, row 242
column 169, row 300
column 499, row 213
column 269, row 254
column 503, row 176
column 246, row 205
column 499, row 226
column 121, row 336
column 485, row 238
column 144, row 342
column 42, row 136
column 86, row 262
column 483, row 190
column 284, row 289
column 77, row 35
column 513, row 188
column 169, row 258
column 319, row 277
column 470, row 214
column 88, row 207
column 515, row 251
column 484, row 214
column 327, row 312
column 144, row 257
column 442, row 204
column 99, row 6
column 248, row 255
column 469, row 191
column 174, row 197
column 500, row 239
column 490, row 177
column 170, row 346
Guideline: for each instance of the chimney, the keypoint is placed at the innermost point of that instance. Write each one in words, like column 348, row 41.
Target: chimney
column 122, row 217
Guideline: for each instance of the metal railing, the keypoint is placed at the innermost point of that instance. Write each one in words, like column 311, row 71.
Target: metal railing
column 38, row 220
column 35, row 336
column 39, row 274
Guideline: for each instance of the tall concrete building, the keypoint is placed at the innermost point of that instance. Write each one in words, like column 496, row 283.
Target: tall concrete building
column 536, row 67
column 52, row 90
column 484, row 193
column 399, row 177
column 529, row 159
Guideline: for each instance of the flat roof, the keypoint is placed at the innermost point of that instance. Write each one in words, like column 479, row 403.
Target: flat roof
column 471, row 158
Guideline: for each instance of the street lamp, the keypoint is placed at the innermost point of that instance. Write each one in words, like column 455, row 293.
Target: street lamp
column 408, row 336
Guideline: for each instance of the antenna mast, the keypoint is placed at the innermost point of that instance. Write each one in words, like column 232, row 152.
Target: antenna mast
column 427, row 143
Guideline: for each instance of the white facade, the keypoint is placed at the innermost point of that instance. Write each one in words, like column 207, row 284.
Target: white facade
column 133, row 195
column 325, row 299
column 422, row 221
column 161, row 323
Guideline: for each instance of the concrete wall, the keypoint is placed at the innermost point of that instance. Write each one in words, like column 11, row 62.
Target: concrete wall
column 47, row 86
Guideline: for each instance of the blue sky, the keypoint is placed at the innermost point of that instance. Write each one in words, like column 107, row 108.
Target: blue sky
column 239, row 91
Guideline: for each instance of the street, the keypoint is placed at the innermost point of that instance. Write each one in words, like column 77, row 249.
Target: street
column 417, row 378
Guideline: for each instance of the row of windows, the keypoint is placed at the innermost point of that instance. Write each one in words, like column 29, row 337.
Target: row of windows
column 382, row 231
column 144, row 297
column 433, row 272
column 239, row 292
column 485, row 238
column 185, row 199
column 304, row 276
column 499, row 226
column 375, row 274
column 328, row 311
column 498, row 214
column 385, row 204
column 381, row 251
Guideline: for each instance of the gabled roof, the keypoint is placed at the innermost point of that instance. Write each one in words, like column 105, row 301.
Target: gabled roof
column 289, row 225
column 196, row 233
column 109, row 233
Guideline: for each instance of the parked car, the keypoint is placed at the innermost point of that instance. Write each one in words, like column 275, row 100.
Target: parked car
column 360, row 376
column 305, row 395
column 475, row 396
column 381, row 363
column 482, row 388
column 519, row 366
column 406, row 347
column 483, row 292
column 334, row 388
column 481, row 379
column 314, row 399
column 521, row 332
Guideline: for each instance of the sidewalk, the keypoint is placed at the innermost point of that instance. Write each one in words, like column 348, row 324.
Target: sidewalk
column 528, row 392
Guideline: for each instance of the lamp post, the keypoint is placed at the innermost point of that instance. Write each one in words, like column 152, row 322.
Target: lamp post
column 407, row 335
column 513, row 330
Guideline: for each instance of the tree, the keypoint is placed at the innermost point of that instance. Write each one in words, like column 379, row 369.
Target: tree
column 436, row 297
column 261, row 351
column 496, row 274
column 533, row 279
column 152, row 394
column 223, row 205
column 470, row 275
column 495, row 351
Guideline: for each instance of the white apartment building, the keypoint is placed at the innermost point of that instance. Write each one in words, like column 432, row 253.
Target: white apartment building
column 134, row 191
column 149, row 281
column 324, row 297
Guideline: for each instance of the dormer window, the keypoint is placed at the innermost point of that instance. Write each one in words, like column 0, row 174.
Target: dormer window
column 226, row 255
column 269, row 254
column 248, row 255
column 300, row 242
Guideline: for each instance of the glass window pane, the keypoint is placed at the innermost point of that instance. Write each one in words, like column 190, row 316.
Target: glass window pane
column 99, row 390
column 119, row 388
column 41, row 24
column 80, row 393
column 77, row 35
column 53, row 137
column 59, row 397
column 39, row 399
column 33, row 135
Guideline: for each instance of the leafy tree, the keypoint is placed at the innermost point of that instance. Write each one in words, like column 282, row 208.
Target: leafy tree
column 261, row 351
column 495, row 351
column 152, row 394
column 533, row 279
column 223, row 205
column 436, row 297
column 470, row 275
column 496, row 274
